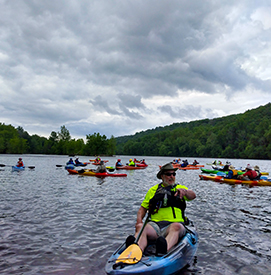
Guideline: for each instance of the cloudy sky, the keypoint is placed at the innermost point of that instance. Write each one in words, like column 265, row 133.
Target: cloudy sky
column 120, row 67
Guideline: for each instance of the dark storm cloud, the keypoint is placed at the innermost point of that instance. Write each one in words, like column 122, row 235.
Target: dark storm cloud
column 62, row 61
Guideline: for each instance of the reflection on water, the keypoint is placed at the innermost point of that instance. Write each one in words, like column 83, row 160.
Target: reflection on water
column 55, row 223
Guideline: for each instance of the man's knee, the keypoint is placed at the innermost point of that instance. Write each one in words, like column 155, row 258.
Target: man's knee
column 177, row 227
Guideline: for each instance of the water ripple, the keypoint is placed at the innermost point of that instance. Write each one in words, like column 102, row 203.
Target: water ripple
column 55, row 223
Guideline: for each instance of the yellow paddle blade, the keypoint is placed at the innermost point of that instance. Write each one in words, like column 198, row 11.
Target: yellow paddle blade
column 131, row 255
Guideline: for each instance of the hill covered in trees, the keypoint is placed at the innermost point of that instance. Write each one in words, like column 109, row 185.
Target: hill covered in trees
column 18, row 141
column 246, row 135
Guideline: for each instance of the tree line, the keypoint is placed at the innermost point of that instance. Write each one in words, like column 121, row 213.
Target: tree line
column 246, row 136
column 17, row 141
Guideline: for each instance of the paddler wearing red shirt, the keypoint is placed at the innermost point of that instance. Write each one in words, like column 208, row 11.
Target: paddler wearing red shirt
column 20, row 163
column 250, row 174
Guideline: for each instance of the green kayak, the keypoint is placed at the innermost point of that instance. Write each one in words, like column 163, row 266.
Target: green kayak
column 212, row 171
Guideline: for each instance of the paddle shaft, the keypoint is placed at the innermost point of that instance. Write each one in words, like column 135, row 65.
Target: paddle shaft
column 3, row 165
column 142, row 228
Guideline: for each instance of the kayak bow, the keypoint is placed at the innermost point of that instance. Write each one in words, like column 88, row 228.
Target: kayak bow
column 177, row 258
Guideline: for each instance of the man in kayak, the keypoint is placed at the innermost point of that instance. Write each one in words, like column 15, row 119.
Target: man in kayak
column 250, row 174
column 101, row 168
column 77, row 162
column 131, row 162
column 20, row 163
column 70, row 162
column 226, row 166
column 257, row 170
column 118, row 163
column 232, row 174
column 166, row 203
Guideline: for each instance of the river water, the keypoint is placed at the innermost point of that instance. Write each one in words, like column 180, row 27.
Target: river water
column 55, row 223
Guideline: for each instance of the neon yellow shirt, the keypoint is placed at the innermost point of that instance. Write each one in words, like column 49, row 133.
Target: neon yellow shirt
column 164, row 214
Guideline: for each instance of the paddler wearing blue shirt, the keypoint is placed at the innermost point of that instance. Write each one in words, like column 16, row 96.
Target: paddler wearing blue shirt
column 166, row 203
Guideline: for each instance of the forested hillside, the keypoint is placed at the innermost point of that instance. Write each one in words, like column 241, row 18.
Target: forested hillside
column 18, row 141
column 246, row 135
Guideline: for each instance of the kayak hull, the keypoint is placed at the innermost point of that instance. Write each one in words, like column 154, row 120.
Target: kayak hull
column 236, row 181
column 93, row 174
column 127, row 167
column 141, row 165
column 15, row 168
column 81, row 164
column 69, row 166
column 176, row 259
column 189, row 168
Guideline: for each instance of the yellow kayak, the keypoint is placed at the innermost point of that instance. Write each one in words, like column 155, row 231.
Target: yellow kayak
column 236, row 181
column 93, row 174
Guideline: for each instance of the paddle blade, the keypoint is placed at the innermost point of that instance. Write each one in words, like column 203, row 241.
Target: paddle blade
column 131, row 255
column 31, row 167
column 2, row 165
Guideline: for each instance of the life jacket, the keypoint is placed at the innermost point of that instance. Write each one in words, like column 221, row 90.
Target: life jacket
column 20, row 164
column 164, row 197
column 232, row 174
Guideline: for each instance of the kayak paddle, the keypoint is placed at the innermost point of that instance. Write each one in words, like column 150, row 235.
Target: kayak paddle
column 3, row 165
column 133, row 254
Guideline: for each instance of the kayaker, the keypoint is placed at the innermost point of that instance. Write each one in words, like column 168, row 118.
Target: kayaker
column 250, row 174
column 97, row 160
column 70, row 161
column 143, row 162
column 118, row 163
column 226, row 167
column 101, row 168
column 185, row 163
column 232, row 174
column 77, row 161
column 257, row 170
column 131, row 162
column 166, row 225
column 20, row 163
column 195, row 162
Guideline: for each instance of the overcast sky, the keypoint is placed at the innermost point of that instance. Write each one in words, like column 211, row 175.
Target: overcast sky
column 120, row 67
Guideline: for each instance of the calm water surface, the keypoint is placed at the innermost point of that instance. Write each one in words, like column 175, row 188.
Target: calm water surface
column 55, row 223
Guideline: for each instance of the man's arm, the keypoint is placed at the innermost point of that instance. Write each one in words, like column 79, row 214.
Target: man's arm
column 141, row 214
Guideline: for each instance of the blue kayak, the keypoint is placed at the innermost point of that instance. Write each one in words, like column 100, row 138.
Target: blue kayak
column 177, row 258
column 69, row 166
column 16, row 168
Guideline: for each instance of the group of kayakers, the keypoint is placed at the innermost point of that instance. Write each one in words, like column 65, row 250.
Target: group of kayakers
column 184, row 163
column 132, row 162
column 76, row 162
column 251, row 173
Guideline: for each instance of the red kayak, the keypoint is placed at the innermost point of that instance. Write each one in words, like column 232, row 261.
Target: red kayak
column 141, row 165
column 127, row 167
column 189, row 168
column 93, row 174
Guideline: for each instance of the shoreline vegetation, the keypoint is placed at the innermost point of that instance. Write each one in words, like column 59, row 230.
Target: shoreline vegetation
column 246, row 136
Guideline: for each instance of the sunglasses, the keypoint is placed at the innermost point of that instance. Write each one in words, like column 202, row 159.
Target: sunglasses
column 170, row 174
